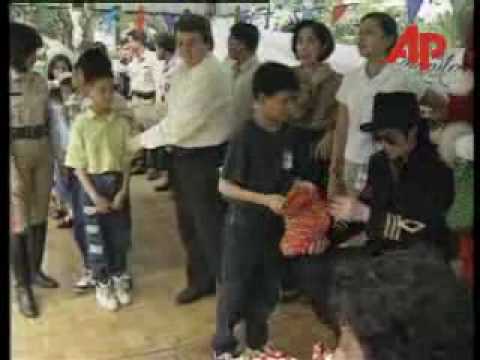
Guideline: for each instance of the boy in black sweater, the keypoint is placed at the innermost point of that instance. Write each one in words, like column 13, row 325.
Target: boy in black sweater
column 254, row 179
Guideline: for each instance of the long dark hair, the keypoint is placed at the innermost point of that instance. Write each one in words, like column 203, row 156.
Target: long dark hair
column 53, row 62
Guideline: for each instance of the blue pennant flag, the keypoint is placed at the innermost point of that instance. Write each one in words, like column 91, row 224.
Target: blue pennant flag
column 110, row 17
column 413, row 6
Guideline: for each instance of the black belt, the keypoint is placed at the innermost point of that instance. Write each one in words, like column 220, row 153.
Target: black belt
column 144, row 95
column 28, row 132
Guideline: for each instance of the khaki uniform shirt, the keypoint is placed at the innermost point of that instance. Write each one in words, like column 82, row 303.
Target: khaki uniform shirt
column 142, row 71
column 28, row 99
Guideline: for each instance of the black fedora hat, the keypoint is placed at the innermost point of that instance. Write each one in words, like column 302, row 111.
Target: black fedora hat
column 394, row 110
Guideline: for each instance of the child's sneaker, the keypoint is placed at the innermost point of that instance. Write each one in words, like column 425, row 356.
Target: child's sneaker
column 321, row 352
column 121, row 286
column 105, row 296
column 85, row 282
column 250, row 354
column 225, row 356
column 270, row 353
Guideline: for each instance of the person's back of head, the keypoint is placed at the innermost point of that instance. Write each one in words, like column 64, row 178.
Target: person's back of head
column 24, row 41
column 404, row 305
column 166, row 42
column 272, row 78
column 247, row 34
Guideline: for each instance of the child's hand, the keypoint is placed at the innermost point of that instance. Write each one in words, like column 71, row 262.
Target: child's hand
column 275, row 203
column 319, row 246
column 118, row 201
column 102, row 205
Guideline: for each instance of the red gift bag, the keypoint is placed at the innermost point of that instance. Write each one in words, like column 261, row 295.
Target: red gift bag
column 306, row 219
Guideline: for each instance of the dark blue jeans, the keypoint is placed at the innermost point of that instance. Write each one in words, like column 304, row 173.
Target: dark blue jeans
column 250, row 280
column 78, row 219
column 108, row 235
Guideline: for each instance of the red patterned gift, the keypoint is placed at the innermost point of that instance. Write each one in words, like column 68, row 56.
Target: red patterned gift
column 306, row 219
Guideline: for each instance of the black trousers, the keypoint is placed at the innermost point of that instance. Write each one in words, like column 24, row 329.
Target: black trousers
column 157, row 158
column 194, row 177
column 250, row 281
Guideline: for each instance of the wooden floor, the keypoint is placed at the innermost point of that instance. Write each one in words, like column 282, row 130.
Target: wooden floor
column 72, row 327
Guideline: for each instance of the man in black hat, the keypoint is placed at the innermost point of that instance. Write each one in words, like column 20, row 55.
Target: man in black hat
column 404, row 203
column 410, row 188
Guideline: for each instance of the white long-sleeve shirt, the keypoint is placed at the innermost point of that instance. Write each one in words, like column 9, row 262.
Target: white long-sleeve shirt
column 199, row 108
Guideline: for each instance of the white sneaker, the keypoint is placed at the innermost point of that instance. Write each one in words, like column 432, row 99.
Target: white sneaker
column 85, row 282
column 105, row 296
column 121, row 285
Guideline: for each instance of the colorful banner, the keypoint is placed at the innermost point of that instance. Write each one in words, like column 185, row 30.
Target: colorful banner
column 413, row 6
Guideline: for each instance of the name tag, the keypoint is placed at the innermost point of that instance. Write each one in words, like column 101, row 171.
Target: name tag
column 287, row 160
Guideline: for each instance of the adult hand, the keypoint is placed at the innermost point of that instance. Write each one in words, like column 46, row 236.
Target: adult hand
column 275, row 203
column 319, row 245
column 118, row 201
column 102, row 204
column 348, row 208
column 323, row 150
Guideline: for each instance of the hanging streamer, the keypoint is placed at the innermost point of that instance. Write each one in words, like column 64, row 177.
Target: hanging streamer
column 413, row 6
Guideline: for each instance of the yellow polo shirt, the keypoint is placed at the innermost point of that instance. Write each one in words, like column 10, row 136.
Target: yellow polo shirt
column 99, row 143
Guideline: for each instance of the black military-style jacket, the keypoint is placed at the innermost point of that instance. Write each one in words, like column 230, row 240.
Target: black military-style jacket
column 422, row 192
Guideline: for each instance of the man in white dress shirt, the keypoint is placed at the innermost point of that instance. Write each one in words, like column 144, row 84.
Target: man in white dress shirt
column 197, row 127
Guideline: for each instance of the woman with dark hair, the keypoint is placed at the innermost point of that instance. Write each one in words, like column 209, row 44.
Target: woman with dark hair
column 312, row 114
column 30, row 167
column 352, row 149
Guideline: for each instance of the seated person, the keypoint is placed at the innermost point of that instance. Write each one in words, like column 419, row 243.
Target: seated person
column 409, row 192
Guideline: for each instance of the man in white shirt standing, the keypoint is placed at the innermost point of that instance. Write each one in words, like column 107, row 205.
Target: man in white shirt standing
column 197, row 127
column 242, row 48
column 142, row 83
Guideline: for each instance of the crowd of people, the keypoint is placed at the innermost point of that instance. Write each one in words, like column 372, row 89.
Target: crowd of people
column 232, row 139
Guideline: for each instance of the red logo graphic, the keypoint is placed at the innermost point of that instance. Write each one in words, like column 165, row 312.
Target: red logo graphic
column 418, row 45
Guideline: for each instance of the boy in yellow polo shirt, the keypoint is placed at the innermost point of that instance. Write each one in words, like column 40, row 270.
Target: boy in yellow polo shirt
column 99, row 154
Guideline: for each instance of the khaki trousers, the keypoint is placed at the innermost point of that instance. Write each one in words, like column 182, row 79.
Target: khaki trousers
column 31, row 177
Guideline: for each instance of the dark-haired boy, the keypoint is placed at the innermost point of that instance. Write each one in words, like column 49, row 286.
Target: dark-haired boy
column 254, row 178
column 84, row 74
column 98, row 152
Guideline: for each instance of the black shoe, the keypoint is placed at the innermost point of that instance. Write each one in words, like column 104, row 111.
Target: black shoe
column 191, row 294
column 21, row 270
column 43, row 281
column 37, row 242
column 26, row 302
column 160, row 188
